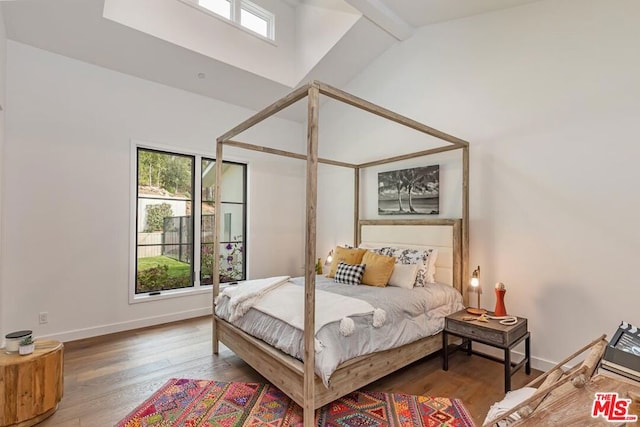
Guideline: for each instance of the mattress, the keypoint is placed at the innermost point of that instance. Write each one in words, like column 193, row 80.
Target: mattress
column 411, row 314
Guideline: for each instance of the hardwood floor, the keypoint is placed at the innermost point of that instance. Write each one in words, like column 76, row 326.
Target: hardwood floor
column 106, row 377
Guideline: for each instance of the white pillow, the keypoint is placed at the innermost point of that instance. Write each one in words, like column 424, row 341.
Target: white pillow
column 510, row 400
column 431, row 266
column 404, row 275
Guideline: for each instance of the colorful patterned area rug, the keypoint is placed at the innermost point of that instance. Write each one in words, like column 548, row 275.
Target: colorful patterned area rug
column 200, row 403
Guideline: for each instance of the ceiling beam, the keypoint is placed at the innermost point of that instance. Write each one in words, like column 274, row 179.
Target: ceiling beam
column 383, row 17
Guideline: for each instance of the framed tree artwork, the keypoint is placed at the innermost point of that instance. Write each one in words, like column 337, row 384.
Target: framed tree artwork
column 413, row 191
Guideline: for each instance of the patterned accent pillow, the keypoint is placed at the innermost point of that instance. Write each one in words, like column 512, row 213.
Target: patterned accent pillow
column 382, row 251
column 349, row 274
column 424, row 258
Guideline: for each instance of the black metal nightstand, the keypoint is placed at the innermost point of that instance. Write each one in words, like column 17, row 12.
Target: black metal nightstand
column 491, row 333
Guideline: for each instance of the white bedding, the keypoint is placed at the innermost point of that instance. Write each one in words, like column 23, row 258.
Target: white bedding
column 411, row 314
column 330, row 307
column 242, row 298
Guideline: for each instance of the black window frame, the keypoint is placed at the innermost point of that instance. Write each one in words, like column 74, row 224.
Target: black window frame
column 195, row 238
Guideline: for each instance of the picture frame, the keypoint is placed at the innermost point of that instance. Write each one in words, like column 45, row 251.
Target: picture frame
column 414, row 191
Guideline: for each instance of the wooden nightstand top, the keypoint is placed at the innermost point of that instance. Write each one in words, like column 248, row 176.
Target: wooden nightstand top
column 491, row 332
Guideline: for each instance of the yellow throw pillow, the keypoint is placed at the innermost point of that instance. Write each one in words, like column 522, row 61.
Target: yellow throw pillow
column 378, row 269
column 346, row 255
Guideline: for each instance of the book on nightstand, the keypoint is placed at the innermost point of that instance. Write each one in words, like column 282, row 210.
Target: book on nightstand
column 622, row 355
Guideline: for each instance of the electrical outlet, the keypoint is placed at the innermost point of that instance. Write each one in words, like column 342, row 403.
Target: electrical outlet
column 43, row 317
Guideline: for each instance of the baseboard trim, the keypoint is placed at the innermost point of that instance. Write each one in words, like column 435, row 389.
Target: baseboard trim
column 95, row 331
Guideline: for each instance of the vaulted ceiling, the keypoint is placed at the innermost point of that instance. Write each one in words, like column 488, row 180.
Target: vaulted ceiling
column 80, row 29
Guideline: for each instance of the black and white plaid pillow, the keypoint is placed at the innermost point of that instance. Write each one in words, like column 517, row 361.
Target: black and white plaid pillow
column 349, row 274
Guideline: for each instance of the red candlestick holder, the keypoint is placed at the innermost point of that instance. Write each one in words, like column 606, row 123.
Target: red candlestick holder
column 500, row 309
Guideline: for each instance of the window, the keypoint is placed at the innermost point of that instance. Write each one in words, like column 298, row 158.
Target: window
column 172, row 219
column 242, row 12
column 221, row 7
column 255, row 19
column 232, row 221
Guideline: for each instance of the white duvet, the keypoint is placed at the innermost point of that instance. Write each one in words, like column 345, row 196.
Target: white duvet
column 282, row 299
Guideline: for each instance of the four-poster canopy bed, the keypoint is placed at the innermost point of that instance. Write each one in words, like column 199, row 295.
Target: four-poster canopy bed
column 298, row 378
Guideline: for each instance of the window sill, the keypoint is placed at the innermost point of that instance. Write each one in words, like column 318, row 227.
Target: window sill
column 174, row 293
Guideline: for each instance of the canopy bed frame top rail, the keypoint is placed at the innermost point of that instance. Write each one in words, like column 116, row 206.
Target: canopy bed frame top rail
column 312, row 90
column 345, row 97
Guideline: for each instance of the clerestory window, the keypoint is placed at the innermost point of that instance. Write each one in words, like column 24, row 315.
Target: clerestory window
column 244, row 13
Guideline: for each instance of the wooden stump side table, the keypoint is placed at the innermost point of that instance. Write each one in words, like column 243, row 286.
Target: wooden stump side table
column 31, row 386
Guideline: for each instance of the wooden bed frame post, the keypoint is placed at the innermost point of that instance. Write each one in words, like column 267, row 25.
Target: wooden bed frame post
column 465, row 226
column 308, row 415
column 356, row 207
column 216, row 244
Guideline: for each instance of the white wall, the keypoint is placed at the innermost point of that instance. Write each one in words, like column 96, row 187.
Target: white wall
column 3, row 56
column 549, row 97
column 317, row 31
column 186, row 26
column 303, row 34
column 67, row 192
column 336, row 189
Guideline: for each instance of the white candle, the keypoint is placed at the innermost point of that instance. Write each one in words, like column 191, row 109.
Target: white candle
column 12, row 340
column 12, row 344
